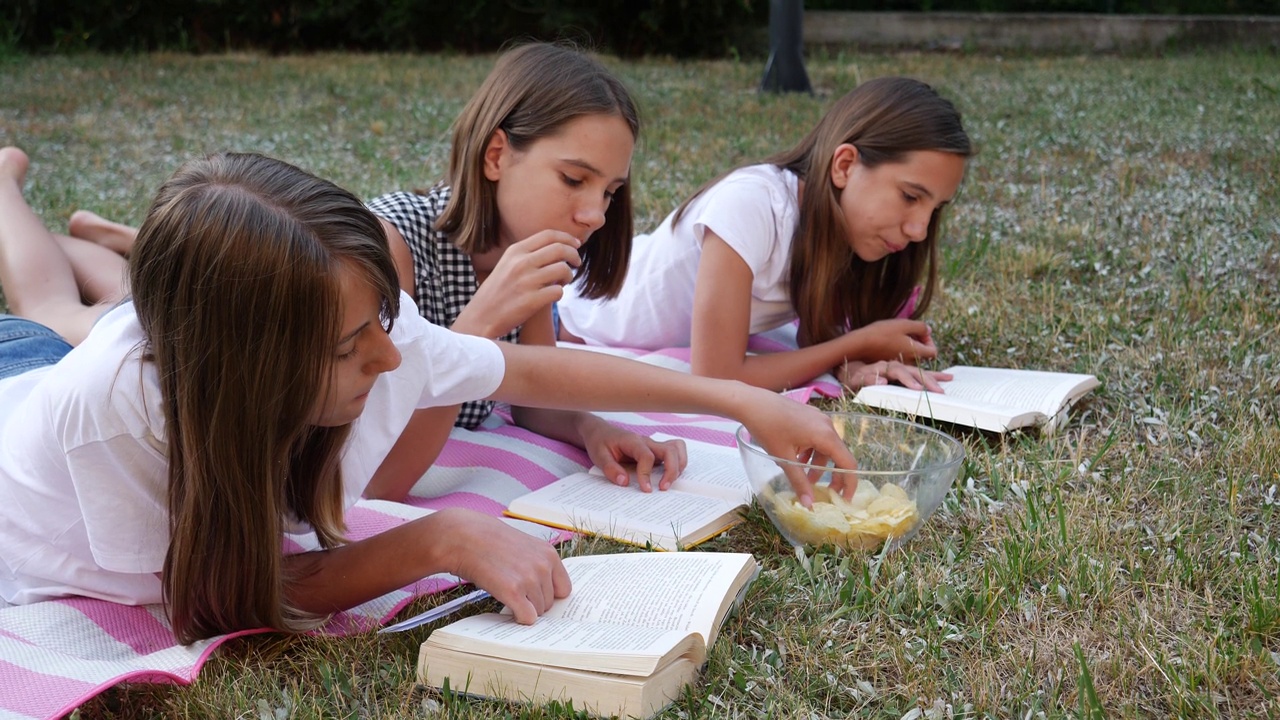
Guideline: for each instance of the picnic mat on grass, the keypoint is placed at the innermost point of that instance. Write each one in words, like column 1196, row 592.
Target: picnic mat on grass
column 56, row 655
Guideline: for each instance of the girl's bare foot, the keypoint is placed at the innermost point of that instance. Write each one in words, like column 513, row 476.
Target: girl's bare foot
column 95, row 228
column 13, row 165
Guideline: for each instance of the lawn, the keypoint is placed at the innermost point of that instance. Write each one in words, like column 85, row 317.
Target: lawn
column 1122, row 218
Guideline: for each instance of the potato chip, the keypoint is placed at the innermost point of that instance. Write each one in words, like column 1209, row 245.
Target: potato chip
column 892, row 490
column 822, row 494
column 884, row 505
column 859, row 523
column 863, row 496
column 830, row 517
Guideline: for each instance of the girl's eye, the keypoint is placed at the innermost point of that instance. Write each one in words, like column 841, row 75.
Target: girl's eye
column 609, row 194
column 909, row 198
column 571, row 181
column 349, row 354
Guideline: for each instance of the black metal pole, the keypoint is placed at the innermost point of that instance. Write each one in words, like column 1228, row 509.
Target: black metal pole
column 784, row 72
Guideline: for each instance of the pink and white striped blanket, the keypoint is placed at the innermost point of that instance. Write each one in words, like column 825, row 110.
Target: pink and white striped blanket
column 55, row 655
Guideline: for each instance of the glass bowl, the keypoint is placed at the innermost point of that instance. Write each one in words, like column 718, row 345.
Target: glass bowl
column 904, row 471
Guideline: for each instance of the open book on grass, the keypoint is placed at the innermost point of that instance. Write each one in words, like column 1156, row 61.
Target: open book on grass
column 632, row 633
column 703, row 502
column 995, row 399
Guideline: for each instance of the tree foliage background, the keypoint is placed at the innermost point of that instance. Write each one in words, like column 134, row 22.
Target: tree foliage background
column 629, row 28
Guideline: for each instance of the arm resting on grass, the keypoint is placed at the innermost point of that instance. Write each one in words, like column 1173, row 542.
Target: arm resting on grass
column 608, row 445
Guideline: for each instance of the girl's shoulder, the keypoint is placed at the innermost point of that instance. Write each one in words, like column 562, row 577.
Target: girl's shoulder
column 106, row 384
column 752, row 189
column 414, row 214
column 766, row 179
column 430, row 203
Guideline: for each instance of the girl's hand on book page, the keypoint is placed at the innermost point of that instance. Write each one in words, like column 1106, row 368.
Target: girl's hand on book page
column 788, row 429
column 858, row 374
column 519, row 570
column 530, row 275
column 907, row 341
column 609, row 446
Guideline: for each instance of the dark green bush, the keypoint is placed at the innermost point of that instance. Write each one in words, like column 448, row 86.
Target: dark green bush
column 684, row 28
column 626, row 27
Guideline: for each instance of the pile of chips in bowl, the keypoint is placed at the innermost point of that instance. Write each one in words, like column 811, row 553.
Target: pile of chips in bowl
column 904, row 471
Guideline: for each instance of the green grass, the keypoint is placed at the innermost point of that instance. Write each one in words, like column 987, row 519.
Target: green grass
column 1122, row 218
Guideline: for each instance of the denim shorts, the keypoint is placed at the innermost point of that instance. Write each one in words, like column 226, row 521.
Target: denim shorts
column 27, row 345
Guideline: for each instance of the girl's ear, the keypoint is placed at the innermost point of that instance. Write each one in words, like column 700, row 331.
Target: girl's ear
column 842, row 163
column 493, row 155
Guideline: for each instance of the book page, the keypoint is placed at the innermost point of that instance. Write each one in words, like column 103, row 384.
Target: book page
column 990, row 398
column 946, row 407
column 685, row 591
column 712, row 470
column 599, row 647
column 1020, row 390
column 592, row 504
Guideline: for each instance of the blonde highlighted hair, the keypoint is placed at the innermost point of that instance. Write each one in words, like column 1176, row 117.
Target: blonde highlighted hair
column 235, row 280
column 531, row 93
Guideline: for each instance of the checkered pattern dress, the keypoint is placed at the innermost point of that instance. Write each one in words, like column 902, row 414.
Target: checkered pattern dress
column 444, row 280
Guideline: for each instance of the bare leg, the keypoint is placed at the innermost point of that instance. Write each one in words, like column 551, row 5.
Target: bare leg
column 113, row 236
column 101, row 274
column 36, row 274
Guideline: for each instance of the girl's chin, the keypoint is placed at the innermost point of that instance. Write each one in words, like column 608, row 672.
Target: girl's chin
column 345, row 416
column 872, row 254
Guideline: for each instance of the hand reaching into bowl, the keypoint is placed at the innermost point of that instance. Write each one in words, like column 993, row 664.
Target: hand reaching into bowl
column 903, row 472
column 804, row 434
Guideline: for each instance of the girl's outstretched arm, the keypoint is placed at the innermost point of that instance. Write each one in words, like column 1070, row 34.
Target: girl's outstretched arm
column 519, row 570
column 608, row 446
column 722, row 323
column 568, row 379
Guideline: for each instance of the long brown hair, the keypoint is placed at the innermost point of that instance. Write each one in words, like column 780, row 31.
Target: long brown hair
column 831, row 288
column 531, row 93
column 234, row 278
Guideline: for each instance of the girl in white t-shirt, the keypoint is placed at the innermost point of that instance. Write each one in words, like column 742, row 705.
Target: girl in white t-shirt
column 838, row 232
column 164, row 456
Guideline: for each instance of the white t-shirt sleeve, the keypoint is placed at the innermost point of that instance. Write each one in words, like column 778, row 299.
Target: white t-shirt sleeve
column 463, row 367
column 439, row 366
column 122, row 487
column 740, row 210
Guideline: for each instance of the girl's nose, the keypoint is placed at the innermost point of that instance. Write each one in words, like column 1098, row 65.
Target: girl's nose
column 916, row 228
column 591, row 216
column 385, row 356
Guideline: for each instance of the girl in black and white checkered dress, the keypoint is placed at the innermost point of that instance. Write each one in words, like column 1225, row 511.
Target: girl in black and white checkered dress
column 536, row 198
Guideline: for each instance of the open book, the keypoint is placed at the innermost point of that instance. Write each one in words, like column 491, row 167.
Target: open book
column 995, row 399
column 701, row 503
column 632, row 633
